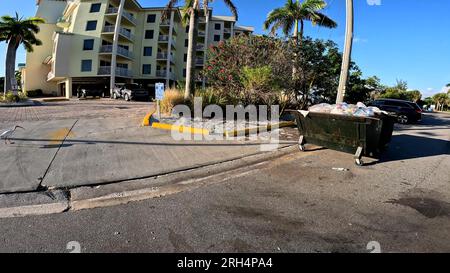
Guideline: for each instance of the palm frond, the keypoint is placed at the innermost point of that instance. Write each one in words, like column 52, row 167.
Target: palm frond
column 232, row 8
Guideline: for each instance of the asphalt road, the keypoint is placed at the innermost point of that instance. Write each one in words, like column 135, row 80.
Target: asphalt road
column 297, row 203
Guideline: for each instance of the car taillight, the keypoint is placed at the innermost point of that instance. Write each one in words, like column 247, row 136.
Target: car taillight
column 419, row 111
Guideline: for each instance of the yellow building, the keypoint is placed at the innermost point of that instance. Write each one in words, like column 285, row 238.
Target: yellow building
column 83, row 39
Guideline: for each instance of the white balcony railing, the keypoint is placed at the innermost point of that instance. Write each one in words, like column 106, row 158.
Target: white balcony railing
column 127, row 34
column 165, row 23
column 109, row 29
column 199, row 61
column 163, row 38
column 120, row 51
column 163, row 74
column 130, row 17
column 50, row 75
column 127, row 15
column 200, row 47
column 164, row 56
column 123, row 72
column 112, row 10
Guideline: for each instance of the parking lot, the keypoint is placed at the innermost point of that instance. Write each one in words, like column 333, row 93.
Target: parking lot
column 75, row 109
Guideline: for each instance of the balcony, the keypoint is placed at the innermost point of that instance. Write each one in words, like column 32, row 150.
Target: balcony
column 202, row 20
column 199, row 61
column 201, row 33
column 109, row 29
column 122, row 31
column 127, row 34
column 163, row 56
column 200, row 47
column 120, row 51
column 129, row 17
column 165, row 23
column 121, row 72
column 163, row 38
column 50, row 76
column 112, row 10
column 163, row 74
column 63, row 22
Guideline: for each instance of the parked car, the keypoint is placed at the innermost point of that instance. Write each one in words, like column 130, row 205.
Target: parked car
column 94, row 91
column 406, row 111
column 129, row 92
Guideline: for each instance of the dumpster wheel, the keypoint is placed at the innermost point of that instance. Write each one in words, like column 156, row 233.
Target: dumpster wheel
column 301, row 144
column 358, row 156
column 359, row 162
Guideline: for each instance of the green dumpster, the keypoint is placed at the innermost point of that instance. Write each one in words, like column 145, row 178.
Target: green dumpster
column 361, row 136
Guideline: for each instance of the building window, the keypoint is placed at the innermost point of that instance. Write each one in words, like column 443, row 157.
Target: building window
column 146, row 69
column 217, row 26
column 184, row 73
column 86, row 65
column 186, row 43
column 88, row 44
column 185, row 57
column 95, row 7
column 148, row 50
column 91, row 25
column 149, row 34
column 187, row 29
column 151, row 18
column 216, row 38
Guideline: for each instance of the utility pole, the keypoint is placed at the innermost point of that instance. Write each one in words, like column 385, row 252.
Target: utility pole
column 347, row 53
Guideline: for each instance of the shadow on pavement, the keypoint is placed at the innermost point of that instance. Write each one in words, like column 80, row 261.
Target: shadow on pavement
column 405, row 147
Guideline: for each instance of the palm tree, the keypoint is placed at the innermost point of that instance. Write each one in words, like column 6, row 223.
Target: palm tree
column 191, row 10
column 293, row 16
column 15, row 31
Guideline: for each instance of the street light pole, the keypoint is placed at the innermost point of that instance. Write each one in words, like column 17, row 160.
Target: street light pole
column 347, row 53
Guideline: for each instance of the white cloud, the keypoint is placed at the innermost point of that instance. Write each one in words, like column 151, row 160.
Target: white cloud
column 360, row 40
column 374, row 2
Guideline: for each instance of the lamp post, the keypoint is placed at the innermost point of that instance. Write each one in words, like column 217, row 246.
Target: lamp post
column 347, row 53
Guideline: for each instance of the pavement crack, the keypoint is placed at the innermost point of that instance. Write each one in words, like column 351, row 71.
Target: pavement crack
column 41, row 185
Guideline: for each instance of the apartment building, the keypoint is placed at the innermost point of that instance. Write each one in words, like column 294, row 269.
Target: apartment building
column 102, row 42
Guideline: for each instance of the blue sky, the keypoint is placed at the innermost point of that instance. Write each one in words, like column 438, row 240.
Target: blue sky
column 398, row 39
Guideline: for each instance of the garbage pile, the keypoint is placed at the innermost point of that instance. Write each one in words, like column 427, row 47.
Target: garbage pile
column 358, row 110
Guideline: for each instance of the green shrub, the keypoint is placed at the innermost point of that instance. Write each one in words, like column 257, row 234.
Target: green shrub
column 211, row 96
column 34, row 93
column 23, row 96
column 10, row 97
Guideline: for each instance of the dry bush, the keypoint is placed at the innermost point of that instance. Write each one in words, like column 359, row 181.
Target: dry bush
column 172, row 98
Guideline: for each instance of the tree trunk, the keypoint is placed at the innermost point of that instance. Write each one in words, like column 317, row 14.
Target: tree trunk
column 191, row 52
column 10, row 65
column 294, row 62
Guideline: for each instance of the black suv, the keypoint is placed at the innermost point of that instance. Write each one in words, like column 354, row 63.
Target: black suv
column 94, row 91
column 406, row 111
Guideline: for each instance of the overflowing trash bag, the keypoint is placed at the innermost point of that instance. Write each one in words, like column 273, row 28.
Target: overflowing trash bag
column 358, row 110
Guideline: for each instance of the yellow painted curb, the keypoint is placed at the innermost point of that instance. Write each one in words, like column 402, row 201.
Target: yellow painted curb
column 147, row 118
column 180, row 128
column 200, row 131
column 150, row 121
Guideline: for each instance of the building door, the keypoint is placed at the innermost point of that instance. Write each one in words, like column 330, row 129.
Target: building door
column 62, row 89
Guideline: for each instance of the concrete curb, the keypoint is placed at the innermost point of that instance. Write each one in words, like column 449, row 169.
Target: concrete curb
column 159, row 186
column 105, row 195
column 20, row 104
column 34, row 203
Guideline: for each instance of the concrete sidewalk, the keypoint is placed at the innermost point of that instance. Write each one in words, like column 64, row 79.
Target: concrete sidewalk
column 72, row 153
